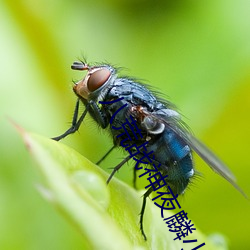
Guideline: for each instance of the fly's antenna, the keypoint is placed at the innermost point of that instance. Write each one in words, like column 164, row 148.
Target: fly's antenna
column 80, row 66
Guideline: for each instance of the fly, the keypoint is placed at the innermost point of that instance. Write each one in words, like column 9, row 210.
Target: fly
column 112, row 101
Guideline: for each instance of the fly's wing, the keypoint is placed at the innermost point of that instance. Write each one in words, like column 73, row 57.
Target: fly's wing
column 174, row 123
column 212, row 160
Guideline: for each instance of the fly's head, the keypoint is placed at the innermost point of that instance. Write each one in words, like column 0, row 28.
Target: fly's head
column 95, row 80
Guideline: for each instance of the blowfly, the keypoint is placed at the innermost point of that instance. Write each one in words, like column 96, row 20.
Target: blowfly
column 153, row 131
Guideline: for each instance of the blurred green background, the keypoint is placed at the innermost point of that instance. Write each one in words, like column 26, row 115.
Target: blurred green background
column 196, row 52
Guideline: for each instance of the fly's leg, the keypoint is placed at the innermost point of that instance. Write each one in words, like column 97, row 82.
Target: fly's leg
column 75, row 124
column 116, row 168
column 145, row 196
column 134, row 175
column 105, row 155
column 97, row 113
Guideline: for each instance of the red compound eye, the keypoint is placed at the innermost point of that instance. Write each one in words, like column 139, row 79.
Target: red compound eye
column 97, row 79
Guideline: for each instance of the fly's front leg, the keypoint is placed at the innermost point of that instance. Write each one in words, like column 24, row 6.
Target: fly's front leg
column 98, row 115
column 75, row 124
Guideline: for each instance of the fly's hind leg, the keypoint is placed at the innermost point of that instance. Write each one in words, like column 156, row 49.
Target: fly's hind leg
column 144, row 201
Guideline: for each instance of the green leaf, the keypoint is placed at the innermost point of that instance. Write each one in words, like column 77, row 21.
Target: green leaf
column 106, row 215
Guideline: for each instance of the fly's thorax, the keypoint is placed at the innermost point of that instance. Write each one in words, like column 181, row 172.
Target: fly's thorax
column 154, row 122
column 93, row 85
column 152, row 125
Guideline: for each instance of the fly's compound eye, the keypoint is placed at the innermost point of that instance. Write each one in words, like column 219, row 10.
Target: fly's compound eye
column 97, row 79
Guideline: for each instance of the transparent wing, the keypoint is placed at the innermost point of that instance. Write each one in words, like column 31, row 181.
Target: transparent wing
column 175, row 124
